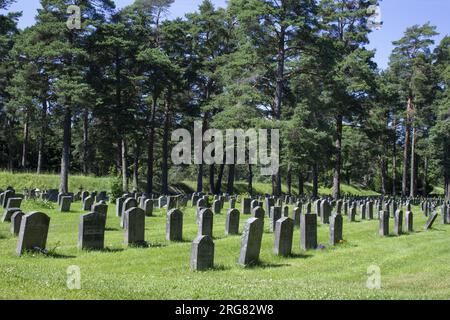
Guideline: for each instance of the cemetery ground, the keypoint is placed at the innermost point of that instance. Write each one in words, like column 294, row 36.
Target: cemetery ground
column 413, row 266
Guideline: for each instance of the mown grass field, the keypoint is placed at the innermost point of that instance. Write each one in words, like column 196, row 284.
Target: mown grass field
column 413, row 266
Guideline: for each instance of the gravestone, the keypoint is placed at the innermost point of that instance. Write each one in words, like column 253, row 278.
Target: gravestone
column 308, row 238
column 275, row 215
column 409, row 221
column 284, row 232
column 8, row 214
column 369, row 208
column 296, row 213
column 251, row 242
column 135, row 227
column 444, row 214
column 232, row 222
column 430, row 221
column 253, row 204
column 101, row 208
column 258, row 212
column 6, row 195
column 33, row 232
column 246, row 202
column 84, row 195
column 127, row 205
column 202, row 203
column 206, row 222
column 268, row 204
column 383, row 229
column 148, row 207
column 91, row 231
column 172, row 203
column 363, row 211
column 336, row 226
column 232, row 203
column 202, row 257
column 16, row 220
column 217, row 206
column 13, row 203
column 325, row 212
column 286, row 211
column 352, row 214
column 398, row 222
column 87, row 203
column 65, row 203
column 119, row 206
column 174, row 225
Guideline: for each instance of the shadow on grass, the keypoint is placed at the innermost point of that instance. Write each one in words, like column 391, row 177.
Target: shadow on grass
column 264, row 265
column 113, row 250
column 55, row 255
column 298, row 256
column 111, row 229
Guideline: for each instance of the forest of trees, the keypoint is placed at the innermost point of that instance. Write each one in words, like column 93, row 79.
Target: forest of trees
column 104, row 99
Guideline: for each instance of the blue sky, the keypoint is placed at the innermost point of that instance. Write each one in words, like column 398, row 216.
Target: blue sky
column 397, row 15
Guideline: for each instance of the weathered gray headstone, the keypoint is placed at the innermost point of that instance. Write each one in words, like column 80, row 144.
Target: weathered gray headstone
column 336, row 226
column 135, row 227
column 202, row 257
column 284, row 232
column 232, row 222
column 251, row 242
column 127, row 205
column 398, row 222
column 296, row 213
column 352, row 214
column 275, row 215
column 246, row 202
column 430, row 221
column 91, row 231
column 325, row 212
column 174, row 225
column 33, row 232
column 148, row 207
column 87, row 203
column 206, row 223
column 384, row 223
column 232, row 203
column 409, row 221
column 16, row 220
column 13, row 203
column 119, row 206
column 217, row 206
column 258, row 212
column 308, row 225
column 65, row 203
column 444, row 214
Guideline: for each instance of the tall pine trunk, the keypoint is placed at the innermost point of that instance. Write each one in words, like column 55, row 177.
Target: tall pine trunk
column 86, row 168
column 250, row 180
column 413, row 176
column 406, row 148
column 276, row 178
column 394, row 159
column 124, row 165
column 41, row 142
column 211, row 179
column 446, row 163
column 219, row 178
column 165, row 150
column 65, row 158
column 301, row 185
column 338, row 161
column 137, row 153
column 383, row 171
column 150, row 147
column 230, row 182
column 25, row 138
column 289, row 180
column 315, row 178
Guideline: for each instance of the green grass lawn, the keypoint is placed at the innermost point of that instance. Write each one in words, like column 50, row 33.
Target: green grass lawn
column 414, row 266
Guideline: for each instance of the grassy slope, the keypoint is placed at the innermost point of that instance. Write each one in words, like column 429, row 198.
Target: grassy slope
column 412, row 266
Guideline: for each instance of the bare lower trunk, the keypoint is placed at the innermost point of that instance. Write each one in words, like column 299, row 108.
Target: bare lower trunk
column 85, row 141
column 338, row 161
column 413, row 181
column 447, row 169
column 124, row 166
column 219, row 179
column 165, row 152
column 406, row 149
column 315, row 178
column 137, row 153
column 250, row 180
column 65, row 158
column 230, row 183
column 289, row 181
column 25, row 140
column 150, row 147
column 211, row 179
column 383, row 170
column 394, row 159
column 200, row 178
column 425, row 177
column 41, row 142
column 301, row 185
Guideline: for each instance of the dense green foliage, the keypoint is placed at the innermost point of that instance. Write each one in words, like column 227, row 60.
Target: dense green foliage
column 103, row 100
